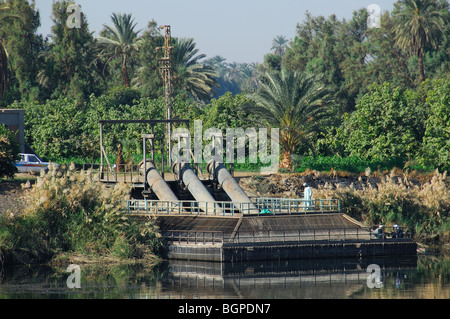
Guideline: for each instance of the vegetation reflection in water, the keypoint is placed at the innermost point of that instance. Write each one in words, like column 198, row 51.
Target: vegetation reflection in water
column 426, row 277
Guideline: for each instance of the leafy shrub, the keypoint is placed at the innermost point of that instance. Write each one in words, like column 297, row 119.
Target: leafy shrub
column 384, row 125
column 436, row 142
column 9, row 153
column 54, row 129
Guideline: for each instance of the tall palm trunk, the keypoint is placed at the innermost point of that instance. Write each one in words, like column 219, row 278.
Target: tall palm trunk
column 294, row 102
column 286, row 160
column 126, row 79
column 421, row 68
column 418, row 24
column 122, row 43
column 3, row 70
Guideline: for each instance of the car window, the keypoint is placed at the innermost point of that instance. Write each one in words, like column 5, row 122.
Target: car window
column 22, row 158
column 33, row 159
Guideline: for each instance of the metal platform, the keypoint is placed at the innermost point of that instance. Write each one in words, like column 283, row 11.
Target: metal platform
column 276, row 237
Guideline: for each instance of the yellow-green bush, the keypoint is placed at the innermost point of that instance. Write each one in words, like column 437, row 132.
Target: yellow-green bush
column 396, row 200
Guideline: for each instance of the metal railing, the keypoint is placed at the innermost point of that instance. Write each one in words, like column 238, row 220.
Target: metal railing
column 297, row 236
column 295, row 206
column 124, row 173
column 264, row 206
column 194, row 237
column 158, row 207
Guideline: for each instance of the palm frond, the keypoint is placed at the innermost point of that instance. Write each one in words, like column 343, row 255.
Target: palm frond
column 198, row 79
column 293, row 102
column 121, row 42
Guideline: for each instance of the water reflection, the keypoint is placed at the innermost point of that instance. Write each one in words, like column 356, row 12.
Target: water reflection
column 319, row 278
column 423, row 277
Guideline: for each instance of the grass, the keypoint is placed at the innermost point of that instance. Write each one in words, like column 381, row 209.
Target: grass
column 353, row 164
column 419, row 201
column 300, row 164
column 69, row 212
column 22, row 178
column 424, row 207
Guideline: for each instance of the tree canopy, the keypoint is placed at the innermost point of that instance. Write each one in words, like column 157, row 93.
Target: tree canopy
column 340, row 87
column 294, row 102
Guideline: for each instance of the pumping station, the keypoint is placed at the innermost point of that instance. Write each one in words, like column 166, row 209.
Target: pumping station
column 204, row 215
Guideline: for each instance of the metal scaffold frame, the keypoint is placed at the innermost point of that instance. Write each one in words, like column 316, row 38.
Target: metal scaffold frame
column 109, row 174
column 166, row 74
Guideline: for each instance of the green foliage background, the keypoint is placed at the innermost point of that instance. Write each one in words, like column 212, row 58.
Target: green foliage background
column 9, row 152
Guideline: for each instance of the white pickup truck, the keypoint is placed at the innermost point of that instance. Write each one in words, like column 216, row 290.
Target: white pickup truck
column 31, row 163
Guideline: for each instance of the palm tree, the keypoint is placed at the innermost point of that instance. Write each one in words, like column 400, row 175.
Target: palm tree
column 3, row 66
column 279, row 44
column 295, row 103
column 249, row 77
column 121, row 41
column 418, row 24
column 218, row 63
column 197, row 78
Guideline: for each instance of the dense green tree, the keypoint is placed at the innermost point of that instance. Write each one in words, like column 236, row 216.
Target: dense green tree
column 9, row 153
column 228, row 111
column 121, row 42
column 294, row 102
column 4, row 8
column 351, row 45
column 315, row 50
column 309, row 41
column 436, row 142
column 69, row 67
column 54, row 128
column 272, row 62
column 19, row 49
column 388, row 62
column 437, row 60
column 121, row 104
column 352, row 56
column 418, row 24
column 384, row 125
column 148, row 76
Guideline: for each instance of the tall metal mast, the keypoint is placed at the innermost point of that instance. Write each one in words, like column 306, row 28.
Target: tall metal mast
column 166, row 73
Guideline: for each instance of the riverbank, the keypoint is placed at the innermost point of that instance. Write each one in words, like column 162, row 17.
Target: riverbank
column 68, row 213
column 419, row 201
column 73, row 219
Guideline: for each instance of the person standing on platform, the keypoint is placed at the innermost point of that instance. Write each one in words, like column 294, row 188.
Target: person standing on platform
column 307, row 196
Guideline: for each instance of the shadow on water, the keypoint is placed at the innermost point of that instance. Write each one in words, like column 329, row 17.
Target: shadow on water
column 414, row 277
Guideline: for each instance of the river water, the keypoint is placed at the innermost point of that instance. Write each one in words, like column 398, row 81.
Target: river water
column 421, row 277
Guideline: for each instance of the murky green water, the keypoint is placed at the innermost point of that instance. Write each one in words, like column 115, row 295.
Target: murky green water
column 424, row 277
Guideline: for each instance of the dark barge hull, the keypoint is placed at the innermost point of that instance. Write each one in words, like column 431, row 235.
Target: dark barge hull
column 293, row 251
column 281, row 237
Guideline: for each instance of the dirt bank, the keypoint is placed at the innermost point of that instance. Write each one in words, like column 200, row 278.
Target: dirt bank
column 278, row 185
column 291, row 185
column 11, row 197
